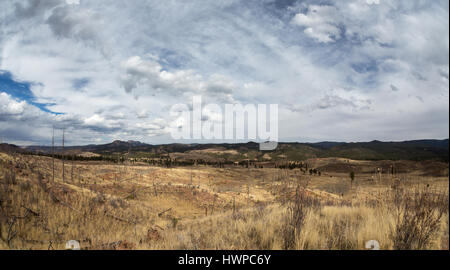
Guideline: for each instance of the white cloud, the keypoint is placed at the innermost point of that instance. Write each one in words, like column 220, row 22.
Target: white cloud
column 10, row 107
column 70, row 22
column 332, row 64
column 321, row 23
column 95, row 120
column 143, row 114
column 73, row 2
column 149, row 77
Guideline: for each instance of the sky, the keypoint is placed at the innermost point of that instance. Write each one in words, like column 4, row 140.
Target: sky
column 355, row 70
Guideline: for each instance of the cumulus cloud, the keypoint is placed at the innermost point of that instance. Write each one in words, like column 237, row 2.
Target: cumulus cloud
column 138, row 72
column 330, row 101
column 320, row 22
column 9, row 106
column 335, row 100
column 149, row 77
column 65, row 22
column 143, row 114
column 94, row 120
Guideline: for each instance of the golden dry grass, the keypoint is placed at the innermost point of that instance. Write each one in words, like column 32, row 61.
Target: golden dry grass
column 110, row 206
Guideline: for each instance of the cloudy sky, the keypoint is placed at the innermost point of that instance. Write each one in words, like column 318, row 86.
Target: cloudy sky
column 355, row 70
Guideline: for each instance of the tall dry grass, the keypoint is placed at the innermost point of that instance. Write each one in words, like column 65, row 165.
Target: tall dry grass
column 38, row 214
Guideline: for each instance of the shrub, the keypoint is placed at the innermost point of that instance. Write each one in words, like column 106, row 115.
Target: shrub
column 418, row 217
column 10, row 178
column 296, row 214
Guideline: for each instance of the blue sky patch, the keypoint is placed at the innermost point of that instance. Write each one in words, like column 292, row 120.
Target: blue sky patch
column 365, row 67
column 21, row 91
column 80, row 83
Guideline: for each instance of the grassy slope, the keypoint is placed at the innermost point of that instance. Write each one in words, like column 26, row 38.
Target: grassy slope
column 101, row 211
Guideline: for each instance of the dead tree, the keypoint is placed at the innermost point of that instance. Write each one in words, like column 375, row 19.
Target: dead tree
column 163, row 212
column 63, row 156
column 248, row 194
column 379, row 170
column 71, row 173
column 53, row 154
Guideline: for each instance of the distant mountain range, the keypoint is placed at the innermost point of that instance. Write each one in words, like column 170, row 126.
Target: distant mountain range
column 374, row 150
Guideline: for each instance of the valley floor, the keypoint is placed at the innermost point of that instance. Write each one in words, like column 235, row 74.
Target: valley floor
column 111, row 206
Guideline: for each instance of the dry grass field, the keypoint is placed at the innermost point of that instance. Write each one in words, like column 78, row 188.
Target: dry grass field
column 138, row 206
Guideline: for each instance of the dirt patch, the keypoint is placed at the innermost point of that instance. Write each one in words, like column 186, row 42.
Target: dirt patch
column 215, row 151
column 88, row 154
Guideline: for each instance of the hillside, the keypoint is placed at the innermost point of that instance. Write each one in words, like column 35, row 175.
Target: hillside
column 375, row 150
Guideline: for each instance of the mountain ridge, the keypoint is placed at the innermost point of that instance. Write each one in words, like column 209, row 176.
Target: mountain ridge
column 424, row 149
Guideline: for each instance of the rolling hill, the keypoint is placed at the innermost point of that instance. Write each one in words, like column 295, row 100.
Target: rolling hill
column 374, row 150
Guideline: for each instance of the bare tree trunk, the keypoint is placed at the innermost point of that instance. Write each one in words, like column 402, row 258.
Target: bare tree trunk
column 248, row 194
column 71, row 173
column 63, row 156
column 128, row 157
column 118, row 166
column 53, row 154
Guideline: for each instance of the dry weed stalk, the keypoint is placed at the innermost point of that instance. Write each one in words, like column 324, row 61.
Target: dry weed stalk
column 418, row 217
